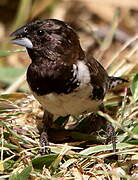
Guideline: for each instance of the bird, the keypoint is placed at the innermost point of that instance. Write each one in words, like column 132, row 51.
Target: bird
column 61, row 76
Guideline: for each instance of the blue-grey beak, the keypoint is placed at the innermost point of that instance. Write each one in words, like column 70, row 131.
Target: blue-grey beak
column 23, row 42
column 20, row 39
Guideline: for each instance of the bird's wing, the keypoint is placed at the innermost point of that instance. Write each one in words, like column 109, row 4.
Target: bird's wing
column 99, row 78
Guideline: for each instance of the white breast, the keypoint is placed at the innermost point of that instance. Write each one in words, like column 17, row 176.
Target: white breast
column 64, row 104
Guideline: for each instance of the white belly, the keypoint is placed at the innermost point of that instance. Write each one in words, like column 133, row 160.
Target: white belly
column 74, row 103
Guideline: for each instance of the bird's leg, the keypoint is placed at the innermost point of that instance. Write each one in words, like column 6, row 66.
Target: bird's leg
column 111, row 135
column 44, row 143
column 110, row 131
column 46, row 123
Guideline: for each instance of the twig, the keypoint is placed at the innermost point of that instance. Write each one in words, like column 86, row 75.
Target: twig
column 16, row 84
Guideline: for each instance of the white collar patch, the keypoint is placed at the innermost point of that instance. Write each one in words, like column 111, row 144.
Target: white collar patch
column 82, row 73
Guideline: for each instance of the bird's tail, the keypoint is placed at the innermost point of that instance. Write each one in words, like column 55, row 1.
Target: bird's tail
column 114, row 81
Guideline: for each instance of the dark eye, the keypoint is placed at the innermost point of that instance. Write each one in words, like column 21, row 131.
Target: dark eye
column 40, row 32
column 25, row 29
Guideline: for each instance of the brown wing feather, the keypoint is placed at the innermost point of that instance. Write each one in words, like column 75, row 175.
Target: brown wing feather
column 99, row 78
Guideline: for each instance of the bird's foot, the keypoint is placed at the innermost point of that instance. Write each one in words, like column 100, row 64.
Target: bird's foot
column 44, row 144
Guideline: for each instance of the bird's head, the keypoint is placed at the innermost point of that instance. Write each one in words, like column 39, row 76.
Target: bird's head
column 49, row 38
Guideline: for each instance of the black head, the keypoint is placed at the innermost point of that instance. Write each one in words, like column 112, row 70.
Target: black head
column 49, row 38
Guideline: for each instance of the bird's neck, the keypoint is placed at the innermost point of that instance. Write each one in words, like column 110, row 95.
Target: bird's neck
column 69, row 56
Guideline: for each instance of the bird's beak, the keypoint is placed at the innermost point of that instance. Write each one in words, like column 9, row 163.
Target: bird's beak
column 20, row 39
column 23, row 42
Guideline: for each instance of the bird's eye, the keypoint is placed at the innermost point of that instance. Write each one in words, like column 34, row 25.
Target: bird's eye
column 40, row 32
column 25, row 29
